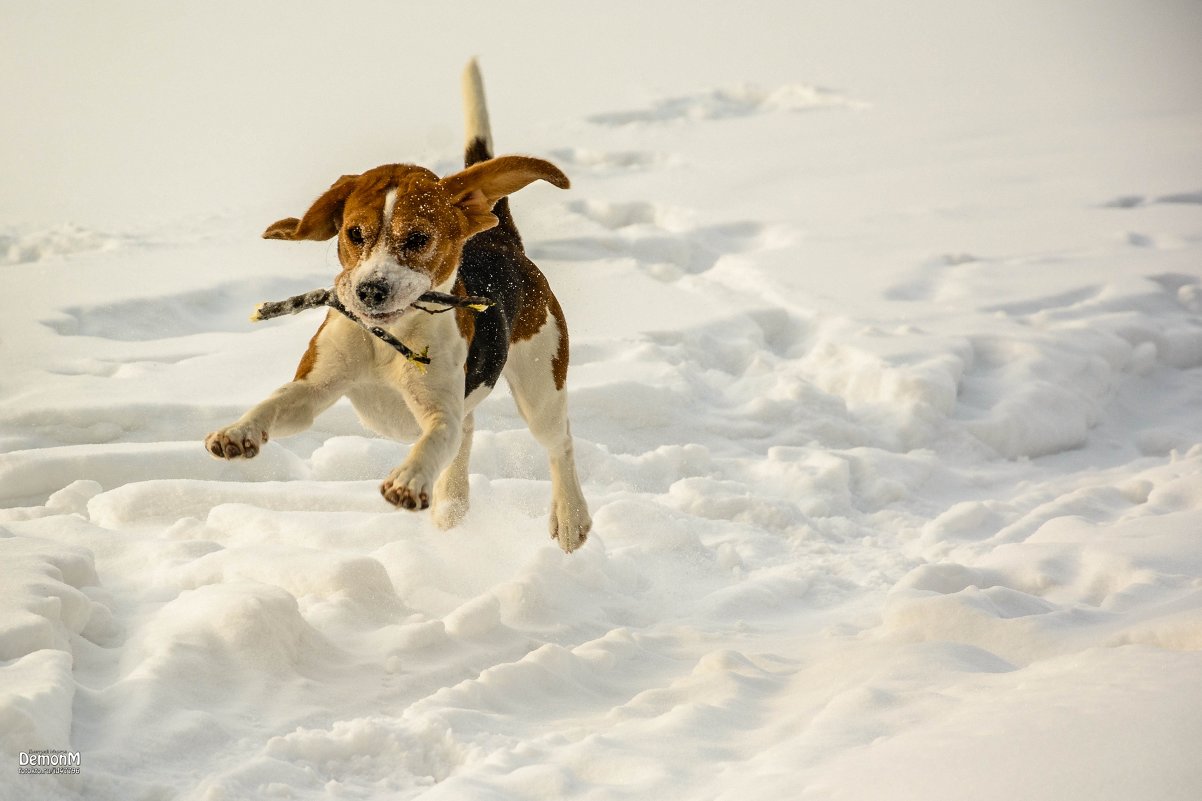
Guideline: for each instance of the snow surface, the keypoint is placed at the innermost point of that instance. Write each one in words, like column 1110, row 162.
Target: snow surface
column 886, row 386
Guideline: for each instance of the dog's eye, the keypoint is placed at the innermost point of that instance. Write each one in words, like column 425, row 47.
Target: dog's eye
column 416, row 240
column 355, row 234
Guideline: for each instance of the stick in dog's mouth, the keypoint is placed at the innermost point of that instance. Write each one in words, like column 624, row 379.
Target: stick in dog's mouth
column 327, row 297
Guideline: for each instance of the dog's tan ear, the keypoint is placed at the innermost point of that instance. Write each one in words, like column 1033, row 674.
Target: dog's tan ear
column 322, row 220
column 478, row 188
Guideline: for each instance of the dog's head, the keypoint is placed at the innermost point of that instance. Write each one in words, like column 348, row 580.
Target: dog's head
column 401, row 228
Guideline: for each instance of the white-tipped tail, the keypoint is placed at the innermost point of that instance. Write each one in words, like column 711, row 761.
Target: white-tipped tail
column 474, row 108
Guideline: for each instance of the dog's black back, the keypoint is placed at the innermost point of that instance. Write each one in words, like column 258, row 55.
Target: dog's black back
column 494, row 266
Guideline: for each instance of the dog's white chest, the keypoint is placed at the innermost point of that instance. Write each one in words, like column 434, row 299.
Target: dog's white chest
column 381, row 408
column 394, row 398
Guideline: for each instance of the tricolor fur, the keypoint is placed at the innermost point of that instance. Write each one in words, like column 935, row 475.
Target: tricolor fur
column 403, row 231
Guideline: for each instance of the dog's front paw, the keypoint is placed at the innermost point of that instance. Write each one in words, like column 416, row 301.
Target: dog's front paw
column 570, row 525
column 234, row 441
column 407, row 487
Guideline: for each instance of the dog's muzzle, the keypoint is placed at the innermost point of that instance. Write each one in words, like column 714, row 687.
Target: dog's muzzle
column 372, row 294
column 385, row 294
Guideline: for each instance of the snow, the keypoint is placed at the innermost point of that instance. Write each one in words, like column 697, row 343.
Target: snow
column 886, row 368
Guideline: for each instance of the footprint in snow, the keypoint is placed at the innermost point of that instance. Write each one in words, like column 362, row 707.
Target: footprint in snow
column 926, row 286
column 223, row 308
column 1154, row 241
column 1137, row 201
column 62, row 241
column 1057, row 302
column 741, row 100
column 615, row 216
column 1187, row 289
column 659, row 238
column 607, row 162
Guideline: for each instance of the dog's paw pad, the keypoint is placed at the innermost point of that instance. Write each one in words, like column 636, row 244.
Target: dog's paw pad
column 235, row 441
column 570, row 527
column 407, row 489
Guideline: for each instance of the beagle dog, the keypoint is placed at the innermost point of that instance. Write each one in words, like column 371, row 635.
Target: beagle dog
column 402, row 231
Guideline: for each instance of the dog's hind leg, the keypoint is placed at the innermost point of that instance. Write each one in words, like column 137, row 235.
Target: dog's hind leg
column 451, row 488
column 536, row 373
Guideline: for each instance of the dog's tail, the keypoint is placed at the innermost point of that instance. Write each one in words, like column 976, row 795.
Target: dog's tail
column 479, row 139
column 475, row 112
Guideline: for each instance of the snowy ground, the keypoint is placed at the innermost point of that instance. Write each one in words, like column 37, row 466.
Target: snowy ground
column 886, row 383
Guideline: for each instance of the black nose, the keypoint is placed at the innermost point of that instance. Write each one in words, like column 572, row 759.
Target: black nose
column 372, row 293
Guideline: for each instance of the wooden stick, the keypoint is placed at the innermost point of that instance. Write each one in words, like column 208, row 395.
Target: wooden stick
column 327, row 297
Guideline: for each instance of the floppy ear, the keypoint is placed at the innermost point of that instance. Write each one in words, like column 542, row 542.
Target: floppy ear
column 322, row 220
column 477, row 189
